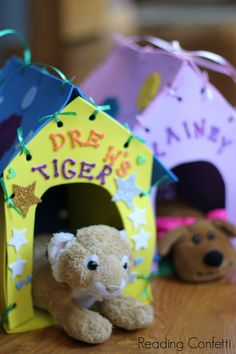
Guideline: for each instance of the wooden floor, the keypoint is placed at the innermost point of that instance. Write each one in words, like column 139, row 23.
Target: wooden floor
column 182, row 311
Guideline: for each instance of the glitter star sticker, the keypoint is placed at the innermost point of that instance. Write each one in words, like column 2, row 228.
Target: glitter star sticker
column 141, row 239
column 126, row 190
column 17, row 268
column 18, row 240
column 24, row 197
column 138, row 217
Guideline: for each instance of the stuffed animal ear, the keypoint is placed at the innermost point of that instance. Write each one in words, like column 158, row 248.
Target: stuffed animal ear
column 58, row 243
column 228, row 228
column 169, row 239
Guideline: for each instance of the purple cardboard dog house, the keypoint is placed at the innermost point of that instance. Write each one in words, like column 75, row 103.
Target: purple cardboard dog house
column 167, row 100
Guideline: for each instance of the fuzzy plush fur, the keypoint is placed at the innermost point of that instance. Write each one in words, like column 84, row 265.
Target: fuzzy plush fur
column 201, row 251
column 66, row 284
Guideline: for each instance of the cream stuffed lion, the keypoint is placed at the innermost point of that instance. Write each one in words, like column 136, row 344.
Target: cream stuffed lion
column 91, row 267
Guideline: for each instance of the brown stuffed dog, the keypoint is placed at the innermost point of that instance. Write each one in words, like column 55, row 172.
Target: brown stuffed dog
column 91, row 267
column 201, row 251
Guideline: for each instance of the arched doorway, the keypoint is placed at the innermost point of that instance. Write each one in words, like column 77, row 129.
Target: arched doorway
column 200, row 185
column 72, row 206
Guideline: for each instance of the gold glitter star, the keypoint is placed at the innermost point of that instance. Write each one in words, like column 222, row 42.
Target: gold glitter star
column 24, row 197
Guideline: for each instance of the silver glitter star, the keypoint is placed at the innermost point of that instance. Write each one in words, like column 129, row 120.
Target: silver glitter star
column 138, row 216
column 126, row 190
column 141, row 239
column 18, row 240
column 17, row 268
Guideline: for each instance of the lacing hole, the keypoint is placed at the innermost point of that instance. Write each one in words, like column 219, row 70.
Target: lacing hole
column 92, row 117
column 60, row 124
column 28, row 157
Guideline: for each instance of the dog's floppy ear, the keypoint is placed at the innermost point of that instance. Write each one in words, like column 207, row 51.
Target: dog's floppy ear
column 228, row 228
column 169, row 239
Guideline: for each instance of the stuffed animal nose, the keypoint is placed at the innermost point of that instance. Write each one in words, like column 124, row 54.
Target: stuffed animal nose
column 213, row 258
column 112, row 288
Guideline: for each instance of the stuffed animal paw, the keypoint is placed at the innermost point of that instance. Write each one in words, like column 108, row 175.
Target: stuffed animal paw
column 127, row 313
column 85, row 325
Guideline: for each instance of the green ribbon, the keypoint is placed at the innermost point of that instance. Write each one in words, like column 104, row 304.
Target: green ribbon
column 147, row 279
column 6, row 312
column 24, row 148
column 58, row 71
column 144, row 194
column 102, row 108
column 8, row 198
column 165, row 267
column 161, row 180
column 56, row 114
column 132, row 136
column 68, row 81
column 27, row 52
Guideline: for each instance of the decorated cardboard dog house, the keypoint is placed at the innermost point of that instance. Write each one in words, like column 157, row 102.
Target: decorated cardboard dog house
column 167, row 100
column 54, row 138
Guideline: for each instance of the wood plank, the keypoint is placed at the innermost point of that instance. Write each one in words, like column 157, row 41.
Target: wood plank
column 182, row 311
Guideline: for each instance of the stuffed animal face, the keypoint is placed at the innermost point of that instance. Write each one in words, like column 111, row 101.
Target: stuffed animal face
column 201, row 251
column 95, row 263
